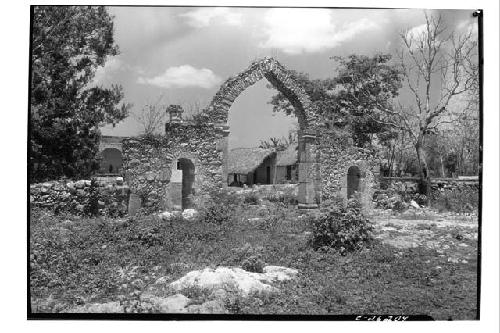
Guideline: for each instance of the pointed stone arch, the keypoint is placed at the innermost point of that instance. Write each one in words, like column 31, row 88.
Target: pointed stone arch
column 277, row 75
column 283, row 81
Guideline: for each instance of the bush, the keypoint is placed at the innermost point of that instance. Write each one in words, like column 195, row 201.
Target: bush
column 91, row 208
column 253, row 264
column 463, row 199
column 251, row 198
column 343, row 229
column 286, row 197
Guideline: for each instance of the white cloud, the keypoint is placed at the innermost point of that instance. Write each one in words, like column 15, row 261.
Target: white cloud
column 308, row 30
column 183, row 76
column 202, row 17
column 417, row 32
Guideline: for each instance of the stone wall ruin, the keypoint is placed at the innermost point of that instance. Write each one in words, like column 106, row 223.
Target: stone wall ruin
column 151, row 163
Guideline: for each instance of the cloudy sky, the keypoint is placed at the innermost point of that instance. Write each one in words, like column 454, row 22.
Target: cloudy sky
column 185, row 53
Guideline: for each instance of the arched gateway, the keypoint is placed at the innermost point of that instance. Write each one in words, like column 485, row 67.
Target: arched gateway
column 284, row 82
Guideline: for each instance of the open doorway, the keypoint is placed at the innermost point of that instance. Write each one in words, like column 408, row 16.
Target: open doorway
column 353, row 179
column 188, row 175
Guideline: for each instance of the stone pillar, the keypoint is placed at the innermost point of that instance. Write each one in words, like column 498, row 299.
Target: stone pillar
column 308, row 168
column 222, row 146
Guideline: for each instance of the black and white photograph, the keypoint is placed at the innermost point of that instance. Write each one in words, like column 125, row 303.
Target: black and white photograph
column 255, row 163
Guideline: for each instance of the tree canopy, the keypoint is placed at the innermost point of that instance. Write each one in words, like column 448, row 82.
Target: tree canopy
column 354, row 97
column 69, row 43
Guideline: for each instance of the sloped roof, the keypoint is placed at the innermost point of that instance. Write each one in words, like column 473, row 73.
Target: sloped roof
column 288, row 156
column 245, row 160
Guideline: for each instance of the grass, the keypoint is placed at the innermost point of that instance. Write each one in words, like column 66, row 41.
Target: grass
column 81, row 260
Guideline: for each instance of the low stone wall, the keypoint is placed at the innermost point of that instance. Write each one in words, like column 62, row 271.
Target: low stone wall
column 410, row 184
column 397, row 192
column 74, row 197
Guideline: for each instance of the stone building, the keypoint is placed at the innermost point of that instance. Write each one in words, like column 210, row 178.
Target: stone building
column 175, row 170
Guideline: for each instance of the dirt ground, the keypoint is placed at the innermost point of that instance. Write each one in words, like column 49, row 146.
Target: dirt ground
column 453, row 236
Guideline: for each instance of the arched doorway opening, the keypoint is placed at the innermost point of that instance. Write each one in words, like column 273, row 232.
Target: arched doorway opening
column 353, row 181
column 284, row 81
column 188, row 175
column 111, row 161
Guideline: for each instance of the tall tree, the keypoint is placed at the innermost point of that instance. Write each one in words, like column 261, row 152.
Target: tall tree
column 152, row 117
column 69, row 43
column 437, row 66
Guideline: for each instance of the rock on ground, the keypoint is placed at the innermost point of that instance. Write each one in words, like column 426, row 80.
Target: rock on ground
column 110, row 307
column 235, row 278
column 188, row 213
column 172, row 304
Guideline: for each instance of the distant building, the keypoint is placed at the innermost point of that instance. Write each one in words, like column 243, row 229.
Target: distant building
column 287, row 170
column 251, row 166
column 110, row 155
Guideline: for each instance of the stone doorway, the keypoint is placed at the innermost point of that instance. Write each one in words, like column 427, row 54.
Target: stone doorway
column 111, row 161
column 353, row 181
column 281, row 79
column 188, row 172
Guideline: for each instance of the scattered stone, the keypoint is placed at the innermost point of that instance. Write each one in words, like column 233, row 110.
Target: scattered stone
column 172, row 304
column 213, row 306
column 414, row 204
column 110, row 307
column 189, row 214
column 234, row 278
column 165, row 216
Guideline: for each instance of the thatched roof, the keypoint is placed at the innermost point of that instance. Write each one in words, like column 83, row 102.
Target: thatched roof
column 288, row 156
column 245, row 160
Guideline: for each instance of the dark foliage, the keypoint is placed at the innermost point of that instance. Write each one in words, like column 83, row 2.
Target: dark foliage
column 354, row 97
column 66, row 110
column 342, row 229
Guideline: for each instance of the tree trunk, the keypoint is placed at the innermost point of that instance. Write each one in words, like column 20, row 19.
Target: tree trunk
column 425, row 182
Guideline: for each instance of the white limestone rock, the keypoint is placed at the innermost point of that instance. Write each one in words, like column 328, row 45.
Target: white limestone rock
column 234, row 278
column 172, row 304
column 189, row 214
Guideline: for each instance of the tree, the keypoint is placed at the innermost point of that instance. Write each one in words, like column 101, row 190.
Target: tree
column 66, row 110
column 353, row 98
column 432, row 60
column 152, row 117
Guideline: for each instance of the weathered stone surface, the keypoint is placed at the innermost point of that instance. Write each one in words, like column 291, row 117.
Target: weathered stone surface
column 62, row 196
column 172, row 304
column 110, row 307
column 234, row 278
column 196, row 142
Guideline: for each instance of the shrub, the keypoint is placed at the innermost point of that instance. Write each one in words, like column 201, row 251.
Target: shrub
column 343, row 229
column 253, row 264
column 251, row 198
column 463, row 199
column 286, row 197
column 91, row 208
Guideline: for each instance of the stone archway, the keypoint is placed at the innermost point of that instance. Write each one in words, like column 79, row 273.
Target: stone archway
column 284, row 82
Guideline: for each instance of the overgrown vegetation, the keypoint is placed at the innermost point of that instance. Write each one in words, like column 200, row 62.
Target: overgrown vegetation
column 464, row 199
column 78, row 260
column 66, row 107
column 342, row 229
